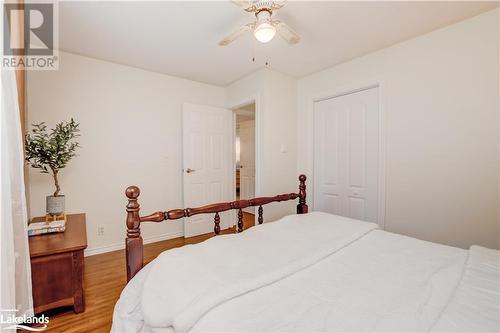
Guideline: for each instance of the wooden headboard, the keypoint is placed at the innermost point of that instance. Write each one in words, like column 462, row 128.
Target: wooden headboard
column 134, row 245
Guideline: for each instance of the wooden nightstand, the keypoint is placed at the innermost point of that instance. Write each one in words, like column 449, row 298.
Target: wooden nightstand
column 57, row 266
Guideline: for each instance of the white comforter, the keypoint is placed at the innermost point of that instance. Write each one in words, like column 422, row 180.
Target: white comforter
column 314, row 272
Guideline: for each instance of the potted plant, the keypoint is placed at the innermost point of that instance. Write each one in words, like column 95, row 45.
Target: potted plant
column 51, row 152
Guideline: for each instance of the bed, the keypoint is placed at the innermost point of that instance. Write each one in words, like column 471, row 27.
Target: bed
column 306, row 272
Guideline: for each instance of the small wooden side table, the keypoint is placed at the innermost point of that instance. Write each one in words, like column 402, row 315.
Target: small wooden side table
column 57, row 266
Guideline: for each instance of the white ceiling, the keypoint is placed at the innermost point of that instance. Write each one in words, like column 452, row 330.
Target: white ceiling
column 180, row 38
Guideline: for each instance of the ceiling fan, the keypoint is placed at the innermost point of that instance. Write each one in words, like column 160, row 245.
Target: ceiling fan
column 264, row 27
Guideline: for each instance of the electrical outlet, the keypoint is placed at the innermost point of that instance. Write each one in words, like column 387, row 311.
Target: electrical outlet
column 100, row 230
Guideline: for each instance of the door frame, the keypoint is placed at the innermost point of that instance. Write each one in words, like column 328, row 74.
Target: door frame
column 255, row 98
column 347, row 90
column 249, row 128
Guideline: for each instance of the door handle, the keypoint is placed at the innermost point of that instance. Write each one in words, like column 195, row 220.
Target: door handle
column 189, row 170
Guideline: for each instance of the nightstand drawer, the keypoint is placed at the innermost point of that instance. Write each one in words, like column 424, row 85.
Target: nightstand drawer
column 57, row 267
column 52, row 281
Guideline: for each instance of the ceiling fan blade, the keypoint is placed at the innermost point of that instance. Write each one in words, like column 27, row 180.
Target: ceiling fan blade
column 236, row 34
column 277, row 4
column 286, row 32
column 247, row 5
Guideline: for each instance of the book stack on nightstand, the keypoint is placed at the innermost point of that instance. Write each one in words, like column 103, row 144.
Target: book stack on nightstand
column 47, row 224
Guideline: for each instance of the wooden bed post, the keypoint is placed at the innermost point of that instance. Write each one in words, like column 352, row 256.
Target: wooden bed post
column 302, row 207
column 133, row 243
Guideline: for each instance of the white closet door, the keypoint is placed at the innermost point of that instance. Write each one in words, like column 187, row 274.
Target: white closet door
column 346, row 155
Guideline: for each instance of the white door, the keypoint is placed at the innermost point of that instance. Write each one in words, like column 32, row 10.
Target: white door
column 247, row 161
column 346, row 155
column 207, row 134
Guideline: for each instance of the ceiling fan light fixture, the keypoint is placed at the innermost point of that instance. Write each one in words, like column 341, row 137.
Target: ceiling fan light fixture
column 264, row 32
column 264, row 27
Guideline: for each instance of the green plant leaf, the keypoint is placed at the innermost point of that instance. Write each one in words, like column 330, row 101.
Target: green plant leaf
column 52, row 150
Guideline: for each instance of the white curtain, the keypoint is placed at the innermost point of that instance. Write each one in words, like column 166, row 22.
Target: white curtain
column 15, row 269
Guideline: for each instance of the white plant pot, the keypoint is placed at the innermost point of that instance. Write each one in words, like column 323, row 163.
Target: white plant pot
column 55, row 205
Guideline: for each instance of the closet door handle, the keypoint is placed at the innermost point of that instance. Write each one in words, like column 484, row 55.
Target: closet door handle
column 189, row 170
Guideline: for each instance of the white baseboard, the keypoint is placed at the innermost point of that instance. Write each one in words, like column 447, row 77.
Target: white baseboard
column 121, row 245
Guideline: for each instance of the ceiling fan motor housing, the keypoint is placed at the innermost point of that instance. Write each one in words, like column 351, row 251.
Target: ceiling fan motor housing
column 264, row 4
column 257, row 6
column 264, row 15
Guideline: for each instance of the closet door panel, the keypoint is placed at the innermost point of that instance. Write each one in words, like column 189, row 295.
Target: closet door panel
column 346, row 155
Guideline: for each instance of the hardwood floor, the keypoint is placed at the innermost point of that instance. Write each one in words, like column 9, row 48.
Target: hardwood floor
column 104, row 279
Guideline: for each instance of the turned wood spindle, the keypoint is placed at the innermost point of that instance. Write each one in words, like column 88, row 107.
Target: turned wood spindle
column 217, row 223
column 133, row 243
column 302, row 207
column 260, row 218
column 240, row 220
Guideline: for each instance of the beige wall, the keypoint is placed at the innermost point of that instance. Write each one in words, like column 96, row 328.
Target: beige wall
column 440, row 98
column 439, row 94
column 131, row 134
column 275, row 120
